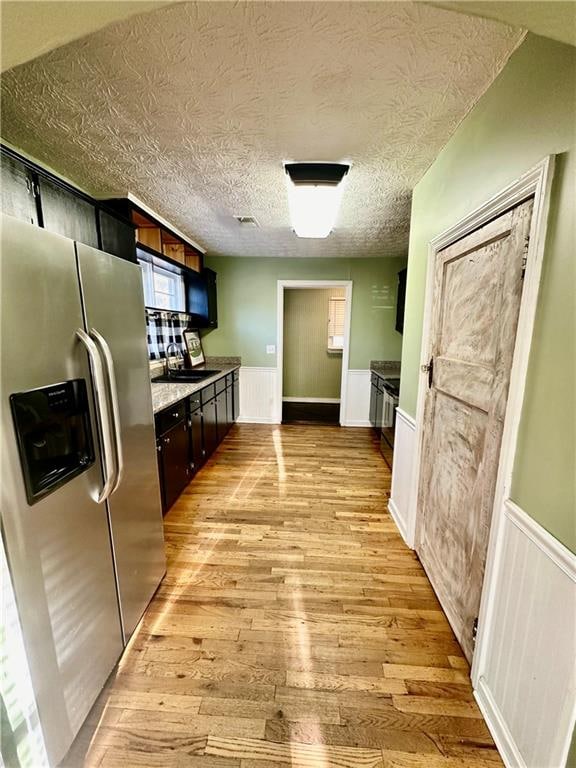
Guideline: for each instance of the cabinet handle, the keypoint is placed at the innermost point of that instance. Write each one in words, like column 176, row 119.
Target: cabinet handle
column 175, row 414
column 159, row 448
column 166, row 440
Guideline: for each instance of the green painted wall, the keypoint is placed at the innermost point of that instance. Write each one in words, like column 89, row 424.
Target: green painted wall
column 247, row 305
column 571, row 762
column 310, row 370
column 528, row 113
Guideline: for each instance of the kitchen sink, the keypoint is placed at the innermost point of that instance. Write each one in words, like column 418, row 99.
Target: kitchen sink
column 183, row 376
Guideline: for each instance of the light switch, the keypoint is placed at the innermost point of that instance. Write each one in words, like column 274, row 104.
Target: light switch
column 270, row 349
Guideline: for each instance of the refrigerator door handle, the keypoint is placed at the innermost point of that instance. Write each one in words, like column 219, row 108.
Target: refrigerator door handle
column 103, row 414
column 113, row 390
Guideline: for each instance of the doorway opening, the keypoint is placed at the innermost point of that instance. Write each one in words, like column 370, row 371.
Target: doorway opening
column 313, row 341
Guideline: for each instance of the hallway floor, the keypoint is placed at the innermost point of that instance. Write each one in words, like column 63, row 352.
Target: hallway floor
column 293, row 628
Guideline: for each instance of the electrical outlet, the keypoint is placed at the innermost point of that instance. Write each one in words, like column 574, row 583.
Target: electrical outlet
column 270, row 349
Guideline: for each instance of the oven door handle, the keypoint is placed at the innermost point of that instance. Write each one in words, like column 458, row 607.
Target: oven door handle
column 113, row 391
column 99, row 379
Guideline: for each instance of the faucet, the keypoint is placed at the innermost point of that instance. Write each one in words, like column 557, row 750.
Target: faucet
column 177, row 355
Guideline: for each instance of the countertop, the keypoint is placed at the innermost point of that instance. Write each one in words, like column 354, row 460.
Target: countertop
column 165, row 394
column 386, row 372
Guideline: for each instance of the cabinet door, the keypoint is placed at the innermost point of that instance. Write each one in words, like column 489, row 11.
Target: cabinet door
column 210, row 428
column 160, row 459
column 17, row 191
column 175, row 463
column 196, row 441
column 236, row 400
column 221, row 415
column 230, row 404
column 212, row 297
column 66, row 214
column 379, row 410
column 373, row 398
column 117, row 236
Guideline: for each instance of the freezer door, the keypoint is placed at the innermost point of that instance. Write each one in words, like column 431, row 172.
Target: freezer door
column 58, row 549
column 114, row 308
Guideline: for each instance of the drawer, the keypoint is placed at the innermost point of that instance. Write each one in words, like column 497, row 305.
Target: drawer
column 167, row 418
column 195, row 402
column 207, row 394
column 236, row 374
column 229, row 380
column 220, row 385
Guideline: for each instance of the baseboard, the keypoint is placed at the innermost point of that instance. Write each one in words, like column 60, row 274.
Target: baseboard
column 393, row 509
column 310, row 399
column 356, row 423
column 255, row 420
column 498, row 728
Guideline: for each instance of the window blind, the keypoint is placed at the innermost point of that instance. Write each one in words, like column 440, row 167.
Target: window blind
column 336, row 315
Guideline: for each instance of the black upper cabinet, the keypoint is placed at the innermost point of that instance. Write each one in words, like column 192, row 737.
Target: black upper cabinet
column 201, row 298
column 18, row 190
column 401, row 300
column 67, row 214
column 117, row 236
column 211, row 297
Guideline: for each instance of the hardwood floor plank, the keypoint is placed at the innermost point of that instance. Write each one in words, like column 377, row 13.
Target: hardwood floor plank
column 293, row 627
column 294, row 754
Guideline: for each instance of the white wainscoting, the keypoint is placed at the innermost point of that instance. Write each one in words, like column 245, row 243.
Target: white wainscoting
column 357, row 398
column 257, row 395
column 526, row 685
column 401, row 496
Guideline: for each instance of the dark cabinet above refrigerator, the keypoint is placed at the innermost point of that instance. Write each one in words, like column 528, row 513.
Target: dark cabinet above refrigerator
column 32, row 194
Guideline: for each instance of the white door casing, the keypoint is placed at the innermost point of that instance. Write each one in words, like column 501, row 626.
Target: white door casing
column 282, row 285
column 537, row 182
column 477, row 291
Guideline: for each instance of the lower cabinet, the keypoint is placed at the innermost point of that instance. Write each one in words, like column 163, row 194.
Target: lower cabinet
column 189, row 432
column 376, row 404
column 197, row 453
column 235, row 395
column 210, row 427
column 173, row 463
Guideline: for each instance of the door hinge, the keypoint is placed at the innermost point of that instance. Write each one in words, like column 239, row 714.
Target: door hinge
column 525, row 256
column 475, row 630
column 429, row 369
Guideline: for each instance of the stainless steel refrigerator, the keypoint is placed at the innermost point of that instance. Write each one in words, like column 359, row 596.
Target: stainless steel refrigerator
column 79, row 499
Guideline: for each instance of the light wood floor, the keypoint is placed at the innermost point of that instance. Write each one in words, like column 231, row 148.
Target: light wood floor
column 293, row 628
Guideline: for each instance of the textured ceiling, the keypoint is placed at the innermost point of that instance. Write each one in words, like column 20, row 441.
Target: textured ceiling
column 193, row 108
column 549, row 18
column 29, row 29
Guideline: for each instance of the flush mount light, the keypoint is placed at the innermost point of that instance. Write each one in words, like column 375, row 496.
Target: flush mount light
column 314, row 194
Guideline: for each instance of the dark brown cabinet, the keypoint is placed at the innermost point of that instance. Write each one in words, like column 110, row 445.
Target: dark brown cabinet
column 117, row 236
column 173, row 451
column 235, row 395
column 189, row 432
column 36, row 196
column 210, row 427
column 18, row 191
column 376, row 403
column 197, row 452
column 67, row 214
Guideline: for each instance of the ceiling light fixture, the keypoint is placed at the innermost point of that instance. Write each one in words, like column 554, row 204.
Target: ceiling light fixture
column 314, row 194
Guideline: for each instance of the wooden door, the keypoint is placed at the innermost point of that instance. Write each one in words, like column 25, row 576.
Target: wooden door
column 476, row 301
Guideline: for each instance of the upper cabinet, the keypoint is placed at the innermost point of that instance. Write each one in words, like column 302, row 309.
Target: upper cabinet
column 170, row 264
column 67, row 214
column 17, row 187
column 32, row 194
